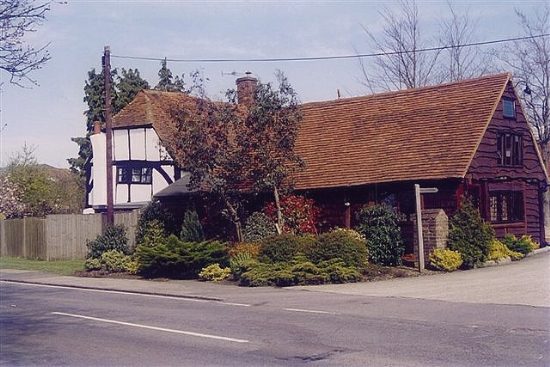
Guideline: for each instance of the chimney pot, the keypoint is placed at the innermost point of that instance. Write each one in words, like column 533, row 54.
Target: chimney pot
column 246, row 87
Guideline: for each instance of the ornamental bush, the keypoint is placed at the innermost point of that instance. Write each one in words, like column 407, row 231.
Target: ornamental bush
column 156, row 211
column 346, row 245
column 498, row 251
column 241, row 263
column 523, row 245
column 470, row 235
column 445, row 259
column 114, row 238
column 379, row 224
column 115, row 261
column 191, row 229
column 179, row 259
column 252, row 249
column 280, row 248
column 214, row 273
column 299, row 213
column 257, row 227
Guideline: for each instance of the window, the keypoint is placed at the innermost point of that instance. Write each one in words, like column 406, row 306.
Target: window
column 127, row 175
column 508, row 108
column 506, row 206
column 509, row 149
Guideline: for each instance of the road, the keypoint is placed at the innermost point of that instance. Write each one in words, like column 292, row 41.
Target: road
column 55, row 325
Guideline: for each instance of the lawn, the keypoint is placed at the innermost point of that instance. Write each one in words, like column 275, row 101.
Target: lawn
column 61, row 267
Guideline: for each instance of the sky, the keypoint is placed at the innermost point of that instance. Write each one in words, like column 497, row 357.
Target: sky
column 47, row 115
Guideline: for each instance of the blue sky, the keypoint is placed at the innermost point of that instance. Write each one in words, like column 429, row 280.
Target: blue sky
column 48, row 115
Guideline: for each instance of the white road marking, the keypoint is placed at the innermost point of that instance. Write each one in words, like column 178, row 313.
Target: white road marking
column 129, row 293
column 308, row 311
column 190, row 333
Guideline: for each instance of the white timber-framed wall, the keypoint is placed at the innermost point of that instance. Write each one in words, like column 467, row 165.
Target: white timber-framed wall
column 141, row 168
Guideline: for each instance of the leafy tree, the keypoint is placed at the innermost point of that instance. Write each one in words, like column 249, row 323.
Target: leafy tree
column 191, row 229
column 18, row 18
column 38, row 190
column 271, row 127
column 166, row 84
column 125, row 87
column 11, row 205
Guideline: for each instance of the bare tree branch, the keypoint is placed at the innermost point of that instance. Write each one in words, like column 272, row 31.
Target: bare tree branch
column 17, row 18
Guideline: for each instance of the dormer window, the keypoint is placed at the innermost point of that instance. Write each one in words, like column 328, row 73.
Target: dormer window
column 509, row 108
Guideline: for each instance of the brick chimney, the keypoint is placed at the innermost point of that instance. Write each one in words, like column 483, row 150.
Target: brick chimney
column 246, row 86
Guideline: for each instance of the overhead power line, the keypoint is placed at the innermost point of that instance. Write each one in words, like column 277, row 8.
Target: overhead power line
column 335, row 57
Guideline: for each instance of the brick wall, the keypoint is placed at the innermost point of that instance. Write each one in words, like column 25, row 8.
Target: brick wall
column 435, row 228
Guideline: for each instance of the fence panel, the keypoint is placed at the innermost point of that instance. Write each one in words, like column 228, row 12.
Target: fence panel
column 13, row 237
column 35, row 238
column 66, row 234
column 129, row 220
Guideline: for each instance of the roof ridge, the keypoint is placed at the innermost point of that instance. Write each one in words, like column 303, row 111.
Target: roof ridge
column 409, row 90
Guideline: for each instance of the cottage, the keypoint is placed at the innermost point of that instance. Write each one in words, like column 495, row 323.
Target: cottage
column 465, row 138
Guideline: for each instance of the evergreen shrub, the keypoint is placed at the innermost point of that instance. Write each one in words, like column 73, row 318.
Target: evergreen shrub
column 445, row 259
column 179, row 259
column 280, row 248
column 115, row 261
column 379, row 224
column 191, row 229
column 253, row 249
column 214, row 273
column 498, row 251
column 114, row 238
column 257, row 227
column 523, row 245
column 347, row 245
column 470, row 235
column 156, row 211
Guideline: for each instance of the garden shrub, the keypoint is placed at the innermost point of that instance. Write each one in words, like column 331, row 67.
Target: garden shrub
column 257, row 227
column 253, row 249
column 214, row 273
column 523, row 245
column 114, row 238
column 180, row 259
column 498, row 251
column 445, row 259
column 156, row 211
column 299, row 213
column 470, row 235
column 241, row 263
column 280, row 248
column 299, row 271
column 115, row 261
column 191, row 228
column 379, row 225
column 347, row 245
column 92, row 264
column 153, row 233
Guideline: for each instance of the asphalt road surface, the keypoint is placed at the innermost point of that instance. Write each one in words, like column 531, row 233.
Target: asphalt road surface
column 47, row 326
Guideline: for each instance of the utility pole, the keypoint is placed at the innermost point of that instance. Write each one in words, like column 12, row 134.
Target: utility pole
column 108, row 133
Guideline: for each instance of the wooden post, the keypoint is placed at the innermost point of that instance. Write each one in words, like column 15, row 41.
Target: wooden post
column 108, row 133
column 419, row 228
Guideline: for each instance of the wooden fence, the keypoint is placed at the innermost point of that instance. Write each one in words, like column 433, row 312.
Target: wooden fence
column 58, row 237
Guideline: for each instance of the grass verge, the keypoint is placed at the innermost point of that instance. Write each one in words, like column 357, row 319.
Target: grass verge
column 61, row 267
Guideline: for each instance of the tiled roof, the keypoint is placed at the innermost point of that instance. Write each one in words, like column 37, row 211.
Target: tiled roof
column 424, row 133
column 152, row 107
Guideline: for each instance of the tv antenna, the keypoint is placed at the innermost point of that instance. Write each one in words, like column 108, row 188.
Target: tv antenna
column 236, row 73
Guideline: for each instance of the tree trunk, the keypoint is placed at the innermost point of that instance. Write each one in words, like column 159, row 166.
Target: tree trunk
column 280, row 220
column 234, row 218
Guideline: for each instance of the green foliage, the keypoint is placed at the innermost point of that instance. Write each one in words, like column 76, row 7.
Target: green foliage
column 191, row 229
column 347, row 245
column 241, row 263
column 523, row 245
column 166, row 84
column 280, row 248
column 252, row 249
column 499, row 251
column 115, row 261
column 179, row 259
column 214, row 273
column 257, row 227
column 92, row 264
column 156, row 211
column 299, row 271
column 114, row 238
column 379, row 224
column 445, row 259
column 153, row 233
column 470, row 235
